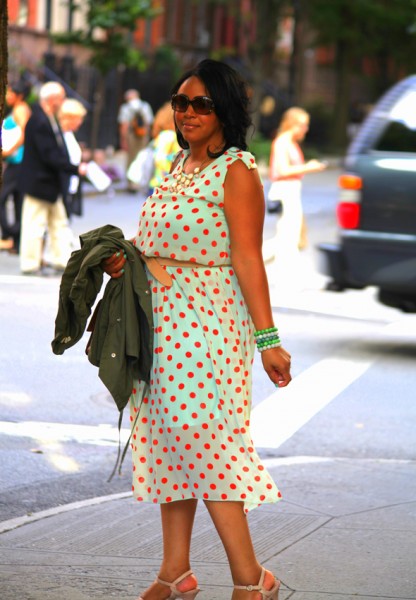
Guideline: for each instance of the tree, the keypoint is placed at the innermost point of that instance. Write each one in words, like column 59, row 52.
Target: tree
column 261, row 58
column 110, row 24
column 3, row 63
column 262, row 53
column 381, row 30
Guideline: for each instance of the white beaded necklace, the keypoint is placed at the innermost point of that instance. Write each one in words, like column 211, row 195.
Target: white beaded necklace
column 184, row 180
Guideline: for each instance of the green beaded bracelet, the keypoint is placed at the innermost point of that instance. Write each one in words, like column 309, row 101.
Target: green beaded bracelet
column 269, row 346
column 268, row 330
column 265, row 336
column 268, row 342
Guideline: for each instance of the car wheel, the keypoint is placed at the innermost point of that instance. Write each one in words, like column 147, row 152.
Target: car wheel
column 403, row 302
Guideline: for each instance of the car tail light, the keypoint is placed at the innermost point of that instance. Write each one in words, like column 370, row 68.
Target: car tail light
column 350, row 182
column 349, row 205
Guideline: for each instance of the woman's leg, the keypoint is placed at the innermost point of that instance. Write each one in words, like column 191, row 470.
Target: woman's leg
column 7, row 190
column 232, row 527
column 290, row 223
column 34, row 223
column 177, row 523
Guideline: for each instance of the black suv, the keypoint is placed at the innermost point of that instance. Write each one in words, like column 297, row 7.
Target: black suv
column 376, row 211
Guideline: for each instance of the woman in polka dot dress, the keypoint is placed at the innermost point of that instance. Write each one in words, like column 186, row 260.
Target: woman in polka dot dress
column 191, row 439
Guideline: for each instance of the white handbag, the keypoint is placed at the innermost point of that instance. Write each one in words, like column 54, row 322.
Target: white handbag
column 141, row 169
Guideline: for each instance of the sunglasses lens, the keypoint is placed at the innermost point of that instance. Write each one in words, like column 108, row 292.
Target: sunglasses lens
column 180, row 102
column 202, row 105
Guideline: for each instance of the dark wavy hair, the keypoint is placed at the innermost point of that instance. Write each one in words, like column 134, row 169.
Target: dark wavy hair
column 20, row 88
column 228, row 90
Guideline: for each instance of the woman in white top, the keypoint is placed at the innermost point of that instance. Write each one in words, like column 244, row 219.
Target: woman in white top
column 287, row 167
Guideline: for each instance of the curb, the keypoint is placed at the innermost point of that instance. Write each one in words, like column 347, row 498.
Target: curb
column 51, row 512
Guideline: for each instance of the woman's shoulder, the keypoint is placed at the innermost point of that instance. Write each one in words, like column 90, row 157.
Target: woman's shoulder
column 9, row 122
column 233, row 154
column 281, row 139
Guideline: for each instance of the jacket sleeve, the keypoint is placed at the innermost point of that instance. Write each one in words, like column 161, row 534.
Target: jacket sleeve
column 50, row 152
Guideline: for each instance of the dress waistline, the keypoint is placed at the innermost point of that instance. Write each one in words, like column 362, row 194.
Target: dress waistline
column 155, row 265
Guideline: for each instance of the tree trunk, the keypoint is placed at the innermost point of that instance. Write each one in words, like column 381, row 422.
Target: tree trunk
column 3, row 66
column 97, row 110
column 262, row 54
column 342, row 97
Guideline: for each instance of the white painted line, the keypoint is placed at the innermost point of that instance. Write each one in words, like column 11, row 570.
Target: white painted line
column 100, row 435
column 282, row 414
column 273, row 421
column 26, row 279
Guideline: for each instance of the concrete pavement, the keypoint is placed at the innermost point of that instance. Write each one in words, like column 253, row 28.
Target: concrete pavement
column 345, row 529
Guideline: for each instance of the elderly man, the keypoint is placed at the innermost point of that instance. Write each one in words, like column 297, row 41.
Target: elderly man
column 135, row 118
column 46, row 169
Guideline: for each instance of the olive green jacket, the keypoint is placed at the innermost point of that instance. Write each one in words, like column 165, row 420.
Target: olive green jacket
column 121, row 345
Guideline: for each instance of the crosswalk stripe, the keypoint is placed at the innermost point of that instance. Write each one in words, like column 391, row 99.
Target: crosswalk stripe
column 284, row 412
column 273, row 421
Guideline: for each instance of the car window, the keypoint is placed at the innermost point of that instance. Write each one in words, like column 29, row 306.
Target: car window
column 399, row 135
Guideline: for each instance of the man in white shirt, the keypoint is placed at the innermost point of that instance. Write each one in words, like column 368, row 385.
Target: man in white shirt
column 135, row 118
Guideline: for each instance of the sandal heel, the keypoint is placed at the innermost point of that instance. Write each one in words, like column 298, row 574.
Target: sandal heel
column 272, row 594
column 177, row 594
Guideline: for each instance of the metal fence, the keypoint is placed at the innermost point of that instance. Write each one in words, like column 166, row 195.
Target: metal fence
column 102, row 96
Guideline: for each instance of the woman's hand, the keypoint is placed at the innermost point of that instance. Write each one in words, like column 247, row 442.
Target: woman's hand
column 276, row 363
column 113, row 265
column 314, row 166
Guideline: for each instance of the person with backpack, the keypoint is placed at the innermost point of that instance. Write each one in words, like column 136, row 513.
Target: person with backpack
column 135, row 119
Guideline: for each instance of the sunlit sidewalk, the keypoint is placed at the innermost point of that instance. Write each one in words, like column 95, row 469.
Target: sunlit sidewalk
column 345, row 529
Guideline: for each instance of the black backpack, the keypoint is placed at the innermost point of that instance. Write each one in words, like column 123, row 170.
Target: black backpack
column 138, row 124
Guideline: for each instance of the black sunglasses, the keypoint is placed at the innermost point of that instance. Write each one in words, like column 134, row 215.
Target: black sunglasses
column 202, row 105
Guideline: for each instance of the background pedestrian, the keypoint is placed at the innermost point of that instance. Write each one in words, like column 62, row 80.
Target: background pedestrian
column 44, row 179
column 165, row 144
column 287, row 168
column 71, row 116
column 135, row 119
column 13, row 138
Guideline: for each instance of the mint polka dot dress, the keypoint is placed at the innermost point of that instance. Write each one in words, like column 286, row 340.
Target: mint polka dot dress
column 192, row 438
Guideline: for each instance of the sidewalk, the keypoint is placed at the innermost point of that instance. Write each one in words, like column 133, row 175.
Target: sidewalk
column 345, row 529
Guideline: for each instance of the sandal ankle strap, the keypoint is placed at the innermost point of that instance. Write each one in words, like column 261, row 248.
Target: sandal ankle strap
column 249, row 588
column 254, row 588
column 172, row 584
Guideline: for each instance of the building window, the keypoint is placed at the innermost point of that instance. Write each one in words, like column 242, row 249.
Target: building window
column 23, row 13
column 48, row 16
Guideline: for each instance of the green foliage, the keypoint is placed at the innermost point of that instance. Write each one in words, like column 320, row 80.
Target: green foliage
column 108, row 36
column 319, row 134
column 260, row 147
column 380, row 30
column 113, row 14
column 165, row 59
column 368, row 27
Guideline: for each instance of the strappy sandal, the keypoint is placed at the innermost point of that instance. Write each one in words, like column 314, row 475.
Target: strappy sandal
column 272, row 594
column 175, row 593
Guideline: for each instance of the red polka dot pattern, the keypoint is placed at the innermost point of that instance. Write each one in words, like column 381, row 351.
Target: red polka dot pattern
column 192, row 437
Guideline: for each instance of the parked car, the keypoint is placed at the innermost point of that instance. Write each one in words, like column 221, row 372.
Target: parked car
column 376, row 211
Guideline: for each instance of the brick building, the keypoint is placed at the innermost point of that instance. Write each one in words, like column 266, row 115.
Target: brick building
column 187, row 30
